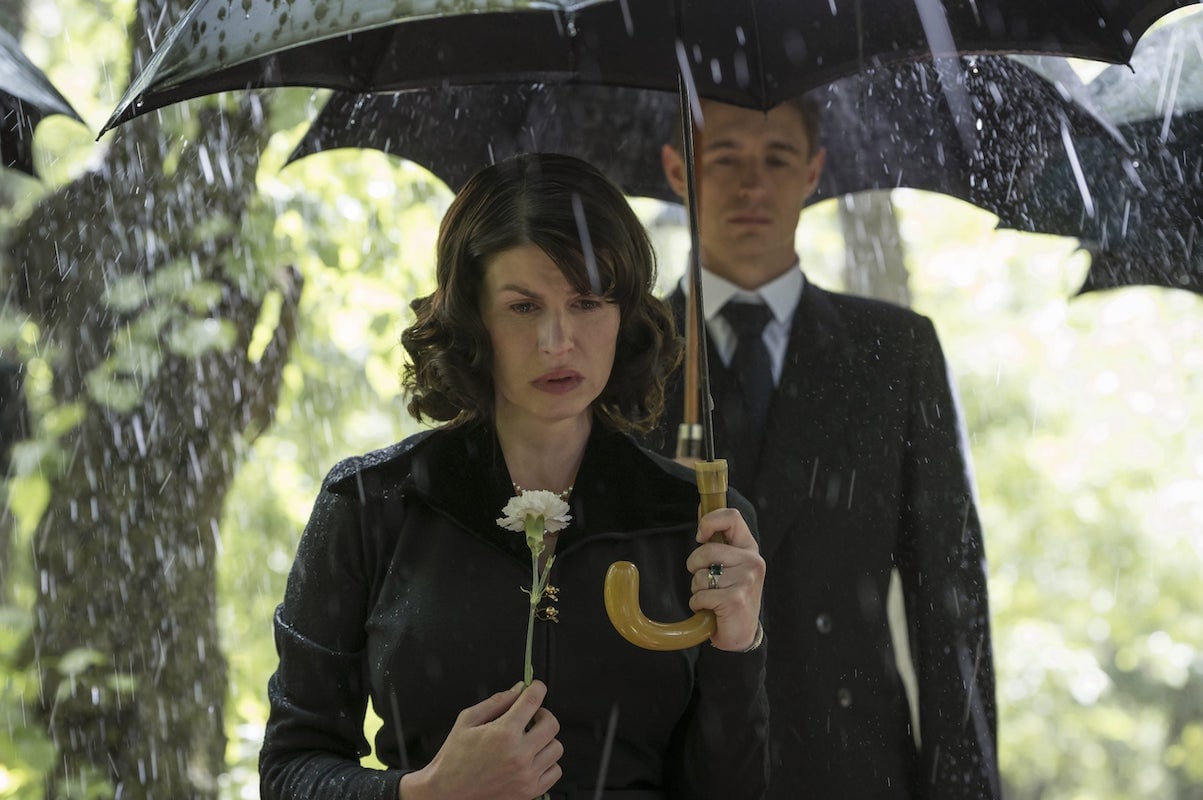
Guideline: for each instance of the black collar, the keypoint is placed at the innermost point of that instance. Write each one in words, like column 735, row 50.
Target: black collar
column 621, row 490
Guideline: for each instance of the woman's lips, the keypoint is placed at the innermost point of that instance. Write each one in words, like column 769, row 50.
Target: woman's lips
column 558, row 381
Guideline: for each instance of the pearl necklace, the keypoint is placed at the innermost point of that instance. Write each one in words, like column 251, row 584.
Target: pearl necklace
column 564, row 495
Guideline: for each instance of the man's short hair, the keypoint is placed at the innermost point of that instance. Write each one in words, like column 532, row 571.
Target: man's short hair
column 805, row 104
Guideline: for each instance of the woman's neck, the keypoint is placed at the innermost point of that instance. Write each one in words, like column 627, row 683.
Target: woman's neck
column 542, row 456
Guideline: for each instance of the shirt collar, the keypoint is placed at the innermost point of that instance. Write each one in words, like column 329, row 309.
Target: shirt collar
column 780, row 294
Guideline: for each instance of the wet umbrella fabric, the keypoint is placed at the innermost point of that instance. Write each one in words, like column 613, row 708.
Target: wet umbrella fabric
column 885, row 128
column 1145, row 225
column 456, row 131
column 754, row 53
column 26, row 98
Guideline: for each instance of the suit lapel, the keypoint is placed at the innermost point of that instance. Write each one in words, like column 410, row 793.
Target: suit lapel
column 786, row 467
column 788, row 462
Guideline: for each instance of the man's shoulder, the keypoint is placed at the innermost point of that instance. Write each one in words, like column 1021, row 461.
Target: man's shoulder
column 858, row 315
column 868, row 308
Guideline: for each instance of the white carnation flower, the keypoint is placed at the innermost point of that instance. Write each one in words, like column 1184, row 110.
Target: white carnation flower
column 540, row 503
column 531, row 513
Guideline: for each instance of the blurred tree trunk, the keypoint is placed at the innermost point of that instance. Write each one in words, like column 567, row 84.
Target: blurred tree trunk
column 12, row 19
column 126, row 635
column 13, row 418
column 14, row 426
column 874, row 261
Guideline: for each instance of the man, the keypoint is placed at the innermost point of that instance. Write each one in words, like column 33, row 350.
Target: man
column 851, row 450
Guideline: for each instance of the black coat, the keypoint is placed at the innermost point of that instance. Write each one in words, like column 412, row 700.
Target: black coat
column 406, row 590
column 861, row 470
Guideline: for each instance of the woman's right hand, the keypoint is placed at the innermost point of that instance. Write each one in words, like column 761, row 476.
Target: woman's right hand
column 502, row 748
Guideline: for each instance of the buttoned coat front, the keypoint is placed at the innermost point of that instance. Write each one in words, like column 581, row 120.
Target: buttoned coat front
column 407, row 591
column 860, row 470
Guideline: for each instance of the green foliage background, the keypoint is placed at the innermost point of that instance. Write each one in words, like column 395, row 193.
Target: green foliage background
column 1085, row 418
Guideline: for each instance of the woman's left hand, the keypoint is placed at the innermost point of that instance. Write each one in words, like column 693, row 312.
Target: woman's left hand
column 739, row 579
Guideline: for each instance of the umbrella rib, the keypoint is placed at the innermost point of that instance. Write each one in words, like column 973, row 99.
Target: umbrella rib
column 764, row 91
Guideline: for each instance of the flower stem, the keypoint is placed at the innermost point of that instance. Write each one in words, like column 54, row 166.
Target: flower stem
column 536, row 594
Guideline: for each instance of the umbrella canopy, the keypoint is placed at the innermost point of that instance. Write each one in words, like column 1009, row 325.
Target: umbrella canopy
column 454, row 132
column 26, row 98
column 754, row 53
column 893, row 126
column 1145, row 224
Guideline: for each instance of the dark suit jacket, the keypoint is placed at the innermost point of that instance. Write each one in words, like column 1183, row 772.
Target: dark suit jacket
column 860, row 470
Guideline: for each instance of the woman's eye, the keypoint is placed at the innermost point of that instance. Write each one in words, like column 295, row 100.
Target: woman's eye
column 522, row 307
column 591, row 303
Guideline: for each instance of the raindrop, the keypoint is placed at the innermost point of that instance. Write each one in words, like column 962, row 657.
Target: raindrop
column 582, row 226
column 795, row 47
column 607, row 748
column 743, row 75
column 1076, row 166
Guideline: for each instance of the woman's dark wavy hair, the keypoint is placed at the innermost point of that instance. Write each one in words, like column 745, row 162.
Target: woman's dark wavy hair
column 547, row 201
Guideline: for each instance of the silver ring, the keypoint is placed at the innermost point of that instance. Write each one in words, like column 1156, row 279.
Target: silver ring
column 712, row 575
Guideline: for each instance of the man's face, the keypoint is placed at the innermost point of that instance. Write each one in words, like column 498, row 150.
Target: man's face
column 755, row 176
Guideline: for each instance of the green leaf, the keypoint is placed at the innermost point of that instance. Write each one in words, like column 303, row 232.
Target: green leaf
column 136, row 357
column 216, row 226
column 75, row 662
column 127, row 293
column 195, row 337
column 28, row 497
column 171, row 280
column 202, row 296
column 115, row 392
column 122, row 683
column 62, row 419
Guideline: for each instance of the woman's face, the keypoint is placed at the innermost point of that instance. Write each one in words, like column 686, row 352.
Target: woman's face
column 553, row 347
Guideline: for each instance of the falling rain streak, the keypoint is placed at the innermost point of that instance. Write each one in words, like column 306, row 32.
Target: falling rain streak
column 166, row 464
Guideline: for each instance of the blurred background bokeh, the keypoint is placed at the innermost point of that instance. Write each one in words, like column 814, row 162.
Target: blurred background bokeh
column 1084, row 413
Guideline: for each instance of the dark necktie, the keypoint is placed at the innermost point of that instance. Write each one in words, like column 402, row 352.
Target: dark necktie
column 750, row 364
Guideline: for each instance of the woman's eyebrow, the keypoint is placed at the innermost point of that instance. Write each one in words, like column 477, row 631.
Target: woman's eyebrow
column 513, row 287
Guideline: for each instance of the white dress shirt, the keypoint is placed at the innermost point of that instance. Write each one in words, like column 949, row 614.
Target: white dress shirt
column 781, row 295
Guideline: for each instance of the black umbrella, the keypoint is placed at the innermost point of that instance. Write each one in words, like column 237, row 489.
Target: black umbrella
column 754, row 53
column 26, row 98
column 884, row 128
column 1144, row 224
column 455, row 131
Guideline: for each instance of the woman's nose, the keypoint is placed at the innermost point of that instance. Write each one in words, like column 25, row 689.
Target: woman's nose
column 554, row 333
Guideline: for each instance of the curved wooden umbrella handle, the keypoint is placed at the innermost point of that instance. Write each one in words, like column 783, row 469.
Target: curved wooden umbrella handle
column 621, row 590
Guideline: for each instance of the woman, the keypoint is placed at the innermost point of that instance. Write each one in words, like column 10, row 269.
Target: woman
column 541, row 348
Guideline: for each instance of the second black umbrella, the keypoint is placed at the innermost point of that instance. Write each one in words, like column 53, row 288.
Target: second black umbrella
column 978, row 128
column 26, row 98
